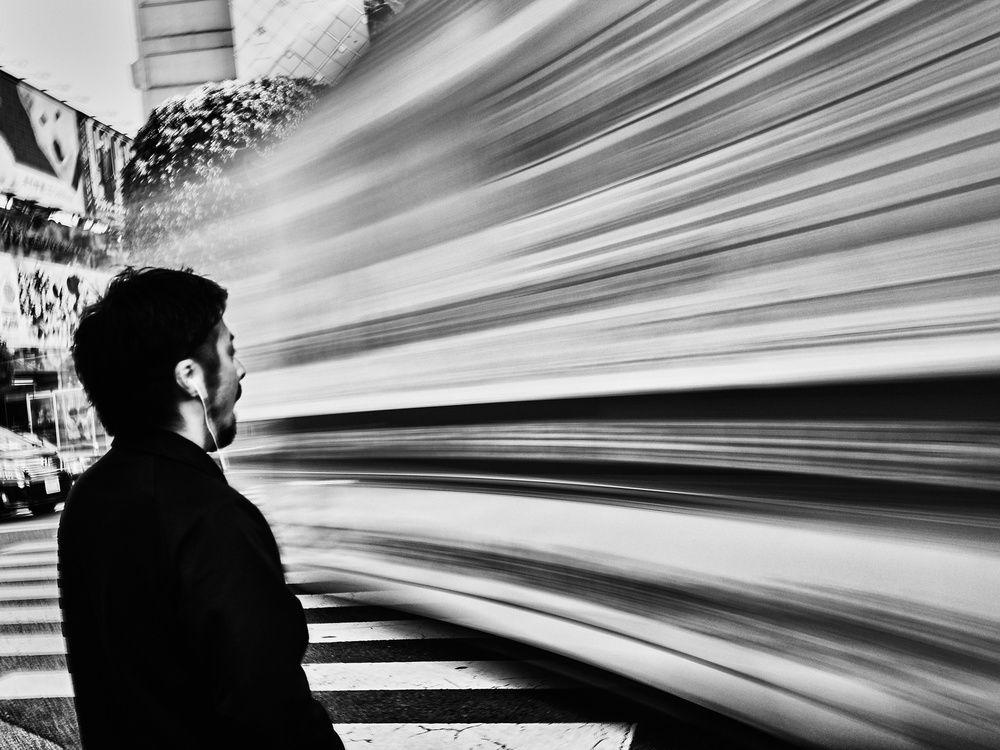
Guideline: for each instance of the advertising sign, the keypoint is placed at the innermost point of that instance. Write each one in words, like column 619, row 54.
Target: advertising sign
column 105, row 153
column 41, row 302
column 39, row 147
column 52, row 154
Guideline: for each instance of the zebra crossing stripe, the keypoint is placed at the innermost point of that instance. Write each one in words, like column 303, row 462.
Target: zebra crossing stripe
column 487, row 736
column 382, row 676
column 17, row 528
column 41, row 644
column 37, row 563
column 429, row 675
column 44, row 545
column 28, row 558
column 35, row 685
column 352, row 599
column 394, row 599
column 21, row 593
column 393, row 630
column 321, row 601
column 38, row 685
column 11, row 575
column 29, row 615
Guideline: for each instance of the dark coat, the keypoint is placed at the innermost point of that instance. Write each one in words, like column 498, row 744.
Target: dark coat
column 180, row 629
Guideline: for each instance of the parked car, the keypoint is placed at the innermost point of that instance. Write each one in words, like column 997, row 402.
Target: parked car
column 32, row 474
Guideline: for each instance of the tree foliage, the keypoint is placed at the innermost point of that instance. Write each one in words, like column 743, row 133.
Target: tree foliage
column 187, row 158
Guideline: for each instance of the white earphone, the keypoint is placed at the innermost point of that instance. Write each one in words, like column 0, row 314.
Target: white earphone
column 202, row 396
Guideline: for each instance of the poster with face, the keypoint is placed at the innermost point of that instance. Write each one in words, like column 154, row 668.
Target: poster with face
column 40, row 154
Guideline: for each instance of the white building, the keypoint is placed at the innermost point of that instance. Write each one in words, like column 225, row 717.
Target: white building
column 319, row 39
column 185, row 43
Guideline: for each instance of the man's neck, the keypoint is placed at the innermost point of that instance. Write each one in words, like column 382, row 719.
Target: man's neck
column 192, row 425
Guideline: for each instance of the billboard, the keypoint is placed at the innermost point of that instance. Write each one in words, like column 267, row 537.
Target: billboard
column 56, row 156
column 41, row 302
column 105, row 152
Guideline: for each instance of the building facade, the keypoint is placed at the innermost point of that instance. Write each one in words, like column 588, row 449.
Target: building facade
column 182, row 44
column 185, row 43
column 61, row 213
column 318, row 39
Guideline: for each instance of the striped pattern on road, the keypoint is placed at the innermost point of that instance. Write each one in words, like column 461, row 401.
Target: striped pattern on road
column 322, row 601
column 398, row 630
column 12, row 575
column 388, row 670
column 39, row 545
column 26, row 593
column 456, row 675
column 36, row 684
column 429, row 675
column 487, row 736
column 28, row 572
column 340, row 632
column 30, row 615
column 8, row 560
column 32, row 645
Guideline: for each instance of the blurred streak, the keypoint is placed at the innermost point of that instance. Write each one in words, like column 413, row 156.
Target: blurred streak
column 951, row 454
column 827, row 625
column 650, row 197
column 510, row 211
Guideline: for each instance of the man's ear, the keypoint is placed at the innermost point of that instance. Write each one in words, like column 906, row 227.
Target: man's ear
column 189, row 377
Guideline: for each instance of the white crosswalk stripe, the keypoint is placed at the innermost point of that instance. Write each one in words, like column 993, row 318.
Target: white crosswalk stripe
column 395, row 630
column 353, row 598
column 10, row 533
column 41, row 545
column 23, row 593
column 36, row 684
column 36, row 558
column 396, row 736
column 10, row 575
column 318, row 601
column 36, row 645
column 486, row 736
column 352, row 620
column 29, row 615
column 435, row 675
column 428, row 675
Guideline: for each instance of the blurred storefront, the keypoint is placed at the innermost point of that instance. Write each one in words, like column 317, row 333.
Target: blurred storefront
column 61, row 212
column 40, row 304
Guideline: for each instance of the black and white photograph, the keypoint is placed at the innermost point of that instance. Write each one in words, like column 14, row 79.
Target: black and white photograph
column 465, row 375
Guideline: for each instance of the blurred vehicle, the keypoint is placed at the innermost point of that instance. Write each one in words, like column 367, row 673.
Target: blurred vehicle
column 660, row 335
column 32, row 474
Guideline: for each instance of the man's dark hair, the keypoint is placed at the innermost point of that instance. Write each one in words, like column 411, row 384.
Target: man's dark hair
column 127, row 344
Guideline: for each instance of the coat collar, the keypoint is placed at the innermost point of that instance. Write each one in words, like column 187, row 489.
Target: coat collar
column 171, row 446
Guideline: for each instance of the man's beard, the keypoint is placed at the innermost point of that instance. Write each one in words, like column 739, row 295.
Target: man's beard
column 227, row 434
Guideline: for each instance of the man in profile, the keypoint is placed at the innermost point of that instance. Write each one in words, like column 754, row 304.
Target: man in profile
column 180, row 630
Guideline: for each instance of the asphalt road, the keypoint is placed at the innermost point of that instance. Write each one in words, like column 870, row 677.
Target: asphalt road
column 388, row 679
